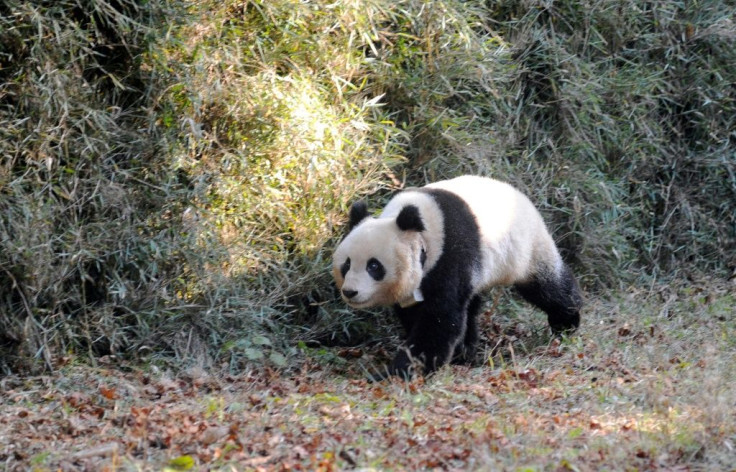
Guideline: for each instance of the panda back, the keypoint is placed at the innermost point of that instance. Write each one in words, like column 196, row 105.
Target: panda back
column 514, row 241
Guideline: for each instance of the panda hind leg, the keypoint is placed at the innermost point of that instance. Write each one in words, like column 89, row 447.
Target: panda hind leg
column 559, row 297
column 465, row 350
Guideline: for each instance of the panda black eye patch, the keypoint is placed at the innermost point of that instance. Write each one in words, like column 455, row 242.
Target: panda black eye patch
column 345, row 267
column 375, row 269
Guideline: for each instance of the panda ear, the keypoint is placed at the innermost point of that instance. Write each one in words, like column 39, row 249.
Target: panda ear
column 358, row 212
column 409, row 219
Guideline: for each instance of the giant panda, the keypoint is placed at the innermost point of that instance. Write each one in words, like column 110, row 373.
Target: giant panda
column 434, row 250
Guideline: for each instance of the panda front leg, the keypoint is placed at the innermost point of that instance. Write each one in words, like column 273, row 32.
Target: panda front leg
column 430, row 344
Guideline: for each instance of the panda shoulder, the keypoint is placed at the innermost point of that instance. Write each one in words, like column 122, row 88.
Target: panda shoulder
column 427, row 206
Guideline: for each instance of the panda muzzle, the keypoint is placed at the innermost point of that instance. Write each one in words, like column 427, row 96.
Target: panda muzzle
column 349, row 294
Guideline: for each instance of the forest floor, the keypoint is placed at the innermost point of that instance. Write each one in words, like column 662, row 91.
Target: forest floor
column 646, row 384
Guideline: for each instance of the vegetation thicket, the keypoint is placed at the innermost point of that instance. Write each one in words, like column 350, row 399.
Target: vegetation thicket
column 174, row 174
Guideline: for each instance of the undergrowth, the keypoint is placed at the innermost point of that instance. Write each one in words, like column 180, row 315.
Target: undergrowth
column 647, row 387
column 174, row 174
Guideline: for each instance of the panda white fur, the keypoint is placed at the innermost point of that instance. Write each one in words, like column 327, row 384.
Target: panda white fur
column 434, row 249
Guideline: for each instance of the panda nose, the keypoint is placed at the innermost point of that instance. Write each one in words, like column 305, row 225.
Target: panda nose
column 349, row 293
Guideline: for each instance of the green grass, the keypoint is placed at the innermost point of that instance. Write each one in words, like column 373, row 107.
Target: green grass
column 175, row 174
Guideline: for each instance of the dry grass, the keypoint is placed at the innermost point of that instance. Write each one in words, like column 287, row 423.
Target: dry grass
column 645, row 385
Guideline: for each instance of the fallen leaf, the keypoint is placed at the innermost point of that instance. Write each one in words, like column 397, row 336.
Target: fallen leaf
column 103, row 450
column 213, row 434
column 300, row 452
column 530, row 376
column 342, row 411
column 108, row 393
column 256, row 461
column 353, row 353
column 181, row 463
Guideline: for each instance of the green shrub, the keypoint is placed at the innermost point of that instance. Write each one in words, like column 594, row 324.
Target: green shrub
column 82, row 182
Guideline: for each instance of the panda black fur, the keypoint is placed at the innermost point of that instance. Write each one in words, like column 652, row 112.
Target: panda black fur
column 431, row 253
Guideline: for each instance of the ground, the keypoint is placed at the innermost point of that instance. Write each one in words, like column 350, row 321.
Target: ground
column 646, row 384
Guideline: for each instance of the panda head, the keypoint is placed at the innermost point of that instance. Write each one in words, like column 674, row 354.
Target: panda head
column 380, row 260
